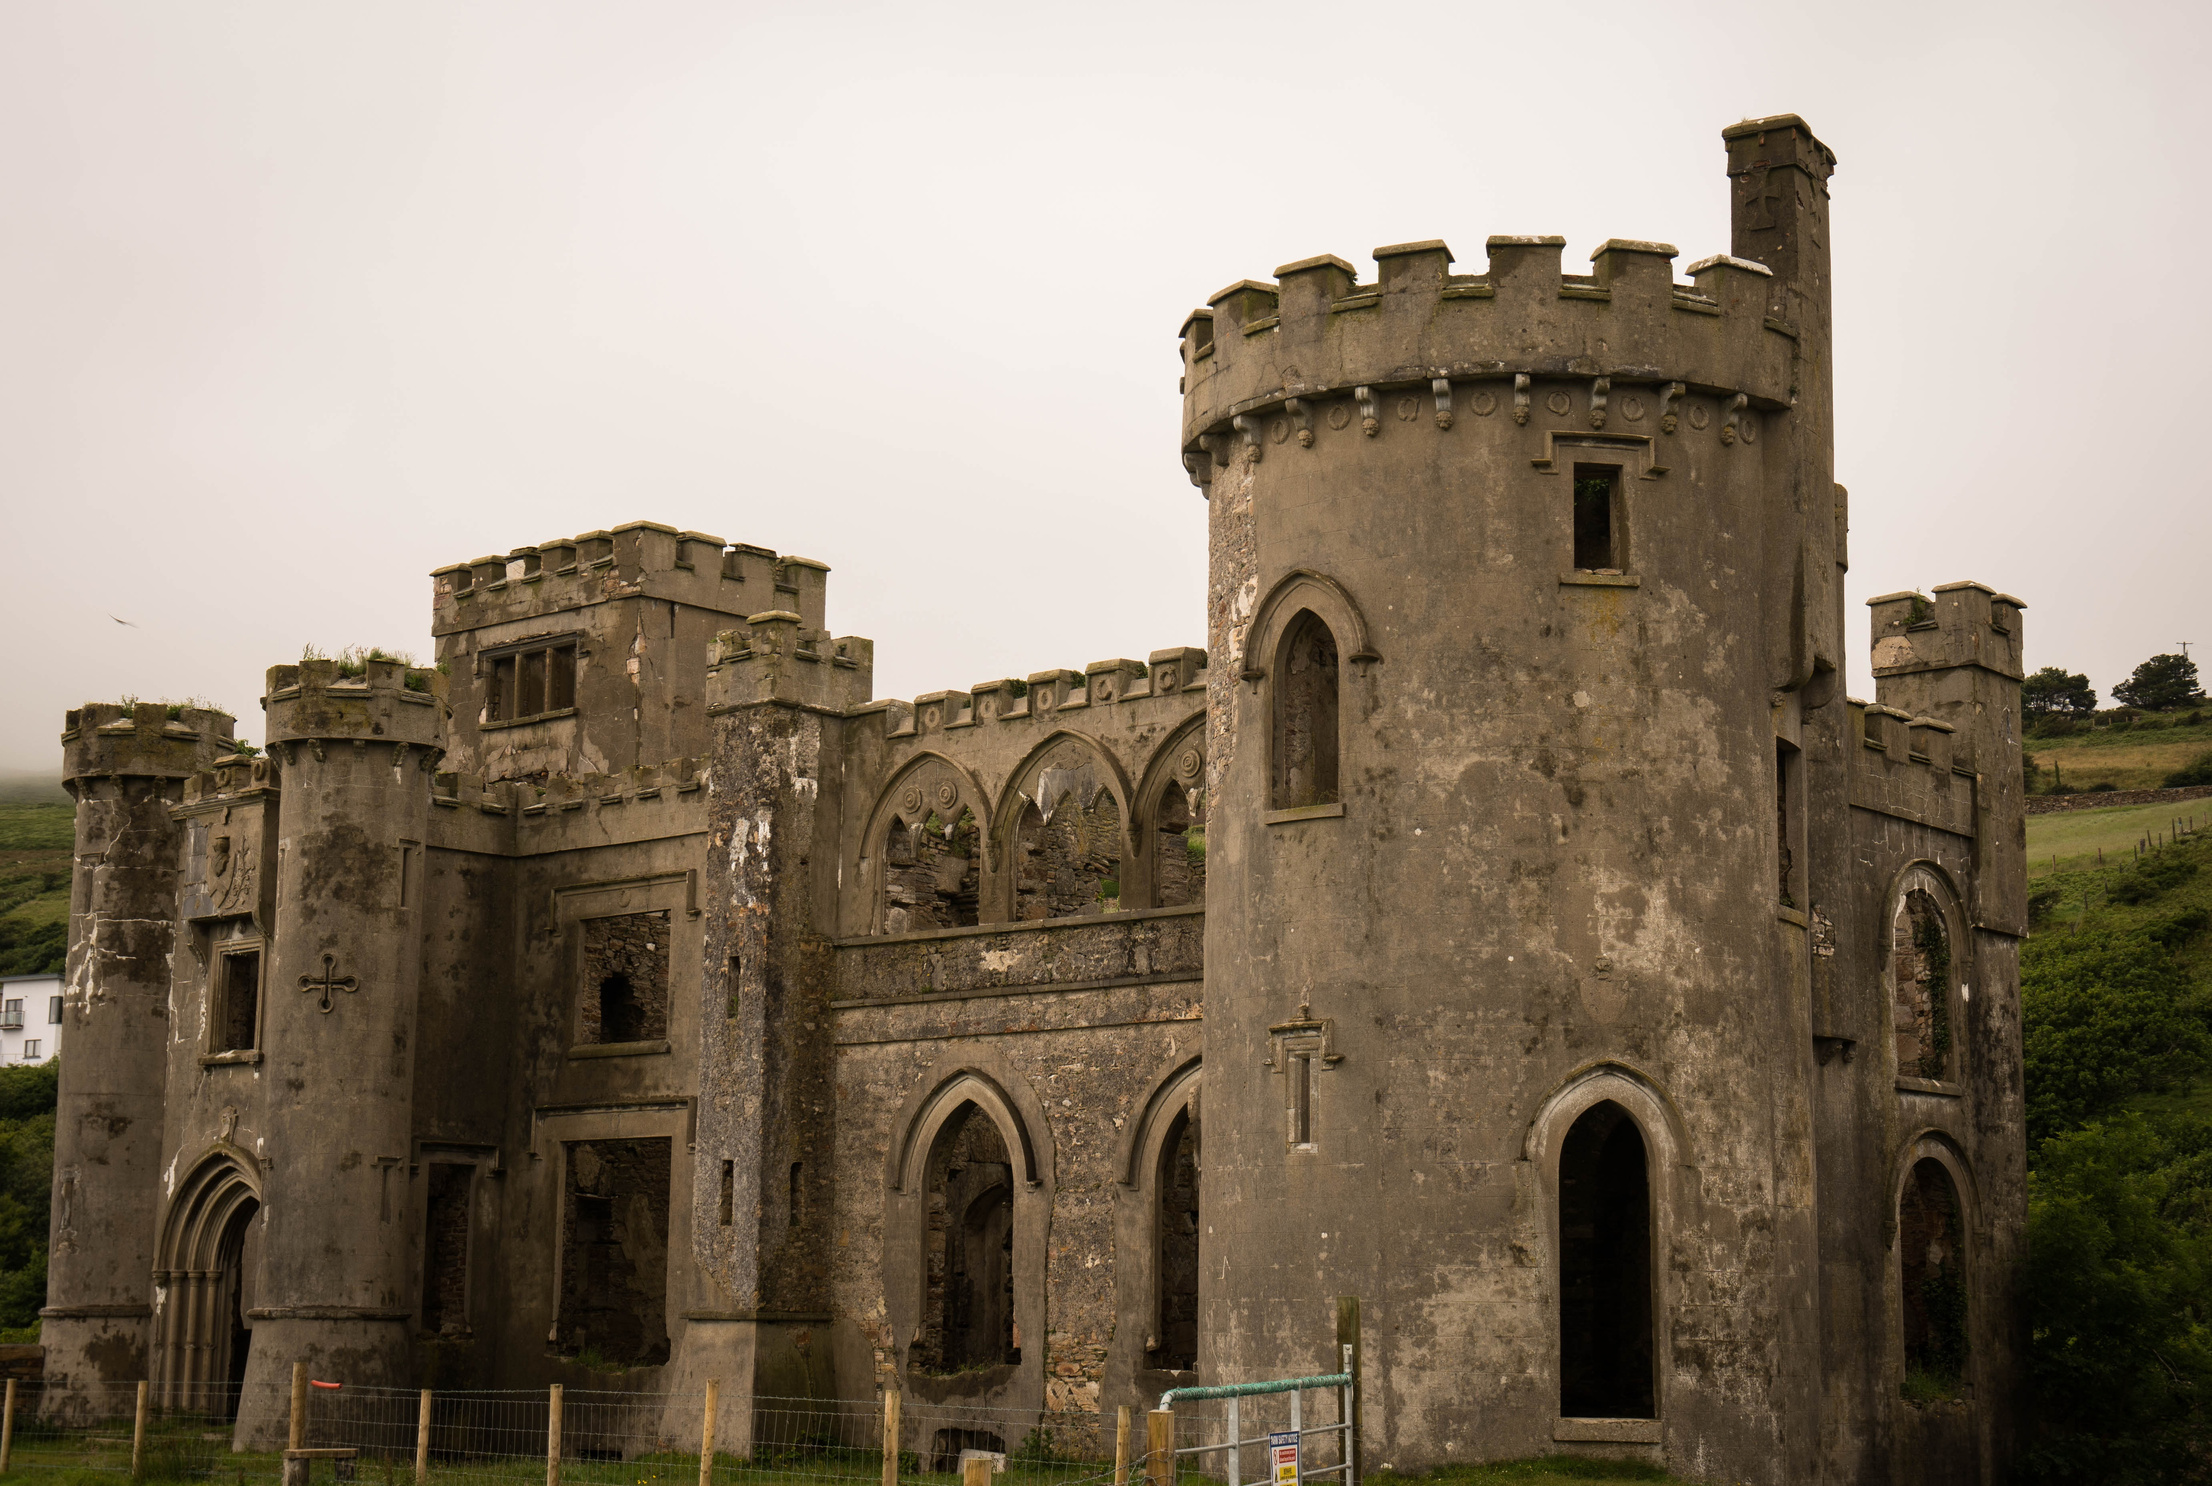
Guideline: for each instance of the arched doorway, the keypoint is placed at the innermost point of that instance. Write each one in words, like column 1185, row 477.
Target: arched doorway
column 1177, row 1259
column 1931, row 1254
column 1605, row 1261
column 204, row 1278
column 968, row 1305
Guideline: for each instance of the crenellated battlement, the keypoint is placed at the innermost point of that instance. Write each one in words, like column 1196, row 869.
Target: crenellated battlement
column 1176, row 673
column 1910, row 766
column 383, row 701
column 779, row 657
column 1424, row 346
column 228, row 780
column 1963, row 624
column 143, row 739
column 638, row 558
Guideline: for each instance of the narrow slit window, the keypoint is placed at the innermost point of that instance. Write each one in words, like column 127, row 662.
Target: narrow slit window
column 1785, row 822
column 729, row 1193
column 1301, row 1099
column 1597, row 519
column 736, row 1007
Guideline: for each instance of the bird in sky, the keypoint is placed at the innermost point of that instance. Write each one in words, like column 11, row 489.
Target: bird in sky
column 123, row 621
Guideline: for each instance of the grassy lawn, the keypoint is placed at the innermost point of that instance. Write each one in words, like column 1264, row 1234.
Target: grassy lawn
column 2075, row 836
column 1546, row 1470
column 2138, row 757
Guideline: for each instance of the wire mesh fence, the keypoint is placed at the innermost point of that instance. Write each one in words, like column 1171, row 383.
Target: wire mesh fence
column 564, row 1437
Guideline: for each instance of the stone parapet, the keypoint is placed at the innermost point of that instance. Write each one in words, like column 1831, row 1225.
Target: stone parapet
column 388, row 702
column 1425, row 346
column 1962, row 624
column 143, row 740
column 639, row 558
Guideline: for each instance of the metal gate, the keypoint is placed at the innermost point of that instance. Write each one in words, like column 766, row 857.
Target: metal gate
column 1235, row 1418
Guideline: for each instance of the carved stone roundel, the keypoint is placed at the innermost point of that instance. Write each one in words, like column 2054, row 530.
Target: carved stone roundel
column 1340, row 415
column 912, row 799
column 1698, row 416
column 1190, row 763
column 1163, row 680
column 1279, row 430
column 948, row 794
column 1409, row 408
column 1559, row 402
column 1483, row 404
column 1747, row 428
column 1632, row 408
column 930, row 717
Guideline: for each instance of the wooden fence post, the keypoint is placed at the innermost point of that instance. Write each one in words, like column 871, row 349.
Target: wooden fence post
column 1159, row 1452
column 891, row 1437
column 1121, row 1445
column 138, row 1435
column 977, row 1472
column 553, row 1437
column 706, row 1433
column 299, row 1406
column 7, row 1429
column 422, row 1441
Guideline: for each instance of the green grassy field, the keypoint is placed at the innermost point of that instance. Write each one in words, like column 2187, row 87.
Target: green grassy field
column 2138, row 757
column 36, row 835
column 2069, row 840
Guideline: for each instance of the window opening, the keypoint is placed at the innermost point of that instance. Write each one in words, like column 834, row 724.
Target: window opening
column 446, row 1250
column 11, row 1015
column 931, row 875
column 1932, row 1277
column 1175, row 1345
column 1301, row 1100
column 30, row 1047
column 235, row 1336
column 968, row 1309
column 1179, row 852
column 53, row 1011
column 237, row 1009
column 614, row 1254
column 1921, row 961
column 736, row 1006
column 729, row 1193
column 625, row 978
column 1785, row 822
column 1597, row 519
column 1305, row 696
column 1605, row 1256
column 531, row 683
column 1068, row 865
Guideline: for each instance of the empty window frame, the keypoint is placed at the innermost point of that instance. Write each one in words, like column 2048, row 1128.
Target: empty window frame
column 1599, row 537
column 1788, row 823
column 445, row 1278
column 234, row 1006
column 53, row 1011
column 1305, row 707
column 1932, row 1282
column 625, row 979
column 968, row 1304
column 531, row 682
column 614, row 1252
column 1175, row 1335
column 31, row 1048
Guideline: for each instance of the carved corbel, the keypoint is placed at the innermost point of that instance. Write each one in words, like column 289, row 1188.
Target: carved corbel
column 1520, row 397
column 1250, row 428
column 1728, row 419
column 1200, row 468
column 1301, row 418
column 1598, row 390
column 1442, row 387
column 1667, row 397
column 1217, row 448
column 1369, row 423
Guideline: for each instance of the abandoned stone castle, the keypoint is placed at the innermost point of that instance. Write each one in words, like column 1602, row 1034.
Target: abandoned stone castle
column 1504, row 919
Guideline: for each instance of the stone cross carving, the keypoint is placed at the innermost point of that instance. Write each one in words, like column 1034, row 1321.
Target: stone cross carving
column 329, row 981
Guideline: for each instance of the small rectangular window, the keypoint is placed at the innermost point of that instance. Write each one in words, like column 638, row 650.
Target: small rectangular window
column 729, row 1193
column 11, row 1015
column 30, row 1047
column 736, row 1006
column 1785, row 821
column 235, row 1017
column 53, row 1011
column 1596, row 519
column 1301, row 1099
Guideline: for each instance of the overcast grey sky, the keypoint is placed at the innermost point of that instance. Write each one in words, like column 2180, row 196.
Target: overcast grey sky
column 301, row 300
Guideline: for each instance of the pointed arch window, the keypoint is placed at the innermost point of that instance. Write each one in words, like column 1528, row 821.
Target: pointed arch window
column 1606, row 1314
column 1305, row 743
column 1932, row 1282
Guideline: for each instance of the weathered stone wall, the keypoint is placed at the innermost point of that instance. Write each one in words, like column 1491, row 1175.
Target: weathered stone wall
column 622, row 995
column 614, row 1252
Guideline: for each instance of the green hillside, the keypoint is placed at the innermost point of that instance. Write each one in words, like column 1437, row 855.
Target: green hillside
column 2137, row 756
column 35, row 838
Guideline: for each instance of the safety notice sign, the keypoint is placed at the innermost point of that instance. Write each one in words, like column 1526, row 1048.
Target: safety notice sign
column 1282, row 1453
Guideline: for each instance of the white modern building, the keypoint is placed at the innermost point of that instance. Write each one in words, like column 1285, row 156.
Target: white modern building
column 30, row 1018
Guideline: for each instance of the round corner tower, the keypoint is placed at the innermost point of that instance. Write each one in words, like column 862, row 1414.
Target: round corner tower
column 335, row 1139
column 1525, row 594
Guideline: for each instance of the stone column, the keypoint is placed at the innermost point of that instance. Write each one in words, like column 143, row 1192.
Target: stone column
column 126, row 766
column 336, row 1290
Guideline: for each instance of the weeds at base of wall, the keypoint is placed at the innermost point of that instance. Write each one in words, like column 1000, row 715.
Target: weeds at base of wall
column 1542, row 1470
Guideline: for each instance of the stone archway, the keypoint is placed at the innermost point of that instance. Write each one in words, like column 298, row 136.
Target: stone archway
column 204, row 1271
